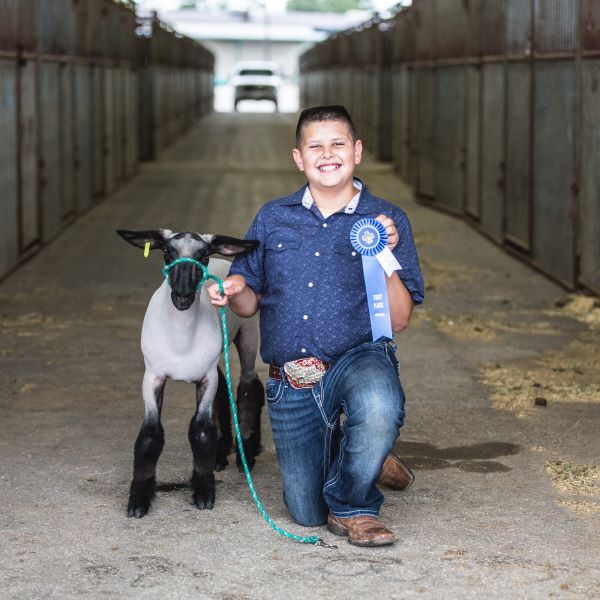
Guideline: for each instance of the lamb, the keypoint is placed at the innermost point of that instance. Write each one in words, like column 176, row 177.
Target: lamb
column 182, row 340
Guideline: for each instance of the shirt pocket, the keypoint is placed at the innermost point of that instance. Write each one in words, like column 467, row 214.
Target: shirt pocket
column 347, row 269
column 282, row 257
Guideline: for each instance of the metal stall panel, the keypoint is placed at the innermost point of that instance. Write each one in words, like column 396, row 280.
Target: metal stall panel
column 518, row 154
column 451, row 28
column 519, row 22
column 67, row 138
column 9, row 24
column 9, row 243
column 401, row 127
column 492, row 27
column 50, row 149
column 555, row 25
column 589, row 217
column 590, row 19
column 118, row 129
column 97, row 134
column 109, row 132
column 553, row 168
column 30, row 210
column 492, row 150
column 131, row 121
column 424, row 20
column 472, row 140
column 449, row 137
column 83, row 137
column 425, row 128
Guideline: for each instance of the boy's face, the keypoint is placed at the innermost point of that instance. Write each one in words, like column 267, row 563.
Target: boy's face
column 328, row 154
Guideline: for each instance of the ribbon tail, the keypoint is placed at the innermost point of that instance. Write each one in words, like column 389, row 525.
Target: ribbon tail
column 379, row 309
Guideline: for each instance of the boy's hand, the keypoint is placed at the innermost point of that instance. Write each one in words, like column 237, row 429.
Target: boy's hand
column 232, row 286
column 391, row 230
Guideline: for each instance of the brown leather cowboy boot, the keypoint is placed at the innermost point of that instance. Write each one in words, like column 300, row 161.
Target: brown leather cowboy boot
column 395, row 473
column 363, row 530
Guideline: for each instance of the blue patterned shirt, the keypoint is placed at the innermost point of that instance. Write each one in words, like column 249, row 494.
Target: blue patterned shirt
column 314, row 301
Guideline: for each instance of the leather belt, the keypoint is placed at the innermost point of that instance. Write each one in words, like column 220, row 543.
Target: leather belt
column 275, row 372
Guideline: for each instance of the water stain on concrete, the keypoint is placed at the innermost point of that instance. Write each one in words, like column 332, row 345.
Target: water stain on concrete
column 474, row 458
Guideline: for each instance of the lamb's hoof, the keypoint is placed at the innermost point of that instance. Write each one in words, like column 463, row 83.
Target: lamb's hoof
column 140, row 497
column 204, row 491
column 251, row 450
column 221, row 463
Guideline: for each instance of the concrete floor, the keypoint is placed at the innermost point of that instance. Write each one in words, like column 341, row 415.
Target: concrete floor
column 483, row 519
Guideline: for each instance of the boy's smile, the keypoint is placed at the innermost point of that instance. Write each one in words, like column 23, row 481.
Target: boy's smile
column 328, row 155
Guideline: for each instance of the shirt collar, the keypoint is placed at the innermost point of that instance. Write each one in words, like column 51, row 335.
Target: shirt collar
column 307, row 200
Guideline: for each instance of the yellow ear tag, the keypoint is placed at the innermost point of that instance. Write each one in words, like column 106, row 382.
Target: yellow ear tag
column 146, row 249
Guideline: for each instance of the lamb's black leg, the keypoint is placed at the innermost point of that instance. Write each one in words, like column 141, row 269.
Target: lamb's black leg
column 250, row 400
column 203, row 440
column 148, row 446
column 224, row 437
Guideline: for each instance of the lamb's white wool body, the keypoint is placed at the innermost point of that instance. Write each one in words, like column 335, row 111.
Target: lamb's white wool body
column 185, row 345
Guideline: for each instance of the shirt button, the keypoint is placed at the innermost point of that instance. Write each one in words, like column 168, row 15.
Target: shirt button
column 305, row 317
column 303, row 350
column 317, row 254
column 353, row 253
column 279, row 245
column 324, row 224
column 310, row 284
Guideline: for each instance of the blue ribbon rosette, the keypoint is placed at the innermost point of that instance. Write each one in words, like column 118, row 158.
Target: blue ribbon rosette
column 369, row 238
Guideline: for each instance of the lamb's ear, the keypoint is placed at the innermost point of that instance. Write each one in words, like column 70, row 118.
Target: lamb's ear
column 230, row 246
column 156, row 237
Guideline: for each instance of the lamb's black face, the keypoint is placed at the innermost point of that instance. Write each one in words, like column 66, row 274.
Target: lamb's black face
column 184, row 277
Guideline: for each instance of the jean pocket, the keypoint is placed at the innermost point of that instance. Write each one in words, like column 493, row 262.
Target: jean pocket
column 390, row 353
column 273, row 390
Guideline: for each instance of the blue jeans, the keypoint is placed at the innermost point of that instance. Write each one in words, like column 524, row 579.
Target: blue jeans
column 328, row 466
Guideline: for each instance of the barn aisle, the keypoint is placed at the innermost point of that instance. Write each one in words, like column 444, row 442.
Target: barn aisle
column 501, row 369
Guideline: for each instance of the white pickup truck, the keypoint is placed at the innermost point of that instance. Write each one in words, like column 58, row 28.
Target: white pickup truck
column 256, row 80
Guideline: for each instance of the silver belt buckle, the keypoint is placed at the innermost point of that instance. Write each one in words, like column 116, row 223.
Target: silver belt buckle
column 304, row 372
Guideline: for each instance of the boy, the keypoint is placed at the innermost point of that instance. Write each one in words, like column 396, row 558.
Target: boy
column 307, row 281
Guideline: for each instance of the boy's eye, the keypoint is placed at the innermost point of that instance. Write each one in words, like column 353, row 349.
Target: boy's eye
column 339, row 144
column 314, row 146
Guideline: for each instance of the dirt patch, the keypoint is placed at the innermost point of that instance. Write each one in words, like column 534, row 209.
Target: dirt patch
column 469, row 327
column 572, row 375
column 583, row 308
column 576, row 480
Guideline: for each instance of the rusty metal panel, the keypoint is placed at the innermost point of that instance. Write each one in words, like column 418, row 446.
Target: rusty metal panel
column 28, row 126
column 518, row 154
column 451, row 30
column 9, row 24
column 519, row 33
column 492, row 150
column 67, row 138
column 50, row 149
column 555, row 23
column 589, row 217
column 472, row 140
column 118, row 130
column 492, row 28
column 553, row 167
column 425, row 129
column 83, row 136
column 9, row 243
column 424, row 20
column 590, row 21
column 449, row 137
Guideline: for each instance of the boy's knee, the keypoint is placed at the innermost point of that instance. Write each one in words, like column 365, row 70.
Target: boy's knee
column 306, row 511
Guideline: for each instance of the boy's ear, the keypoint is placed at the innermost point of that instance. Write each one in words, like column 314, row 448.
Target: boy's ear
column 297, row 156
column 230, row 246
column 358, row 148
column 156, row 237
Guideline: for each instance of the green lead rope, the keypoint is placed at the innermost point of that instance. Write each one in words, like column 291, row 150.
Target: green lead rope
column 311, row 539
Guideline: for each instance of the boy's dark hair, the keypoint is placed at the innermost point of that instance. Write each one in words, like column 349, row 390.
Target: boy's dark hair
column 335, row 112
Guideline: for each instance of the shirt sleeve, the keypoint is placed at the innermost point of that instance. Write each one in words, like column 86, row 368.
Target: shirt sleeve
column 406, row 254
column 250, row 264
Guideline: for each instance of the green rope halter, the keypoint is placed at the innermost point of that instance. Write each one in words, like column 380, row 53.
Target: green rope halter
column 313, row 539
